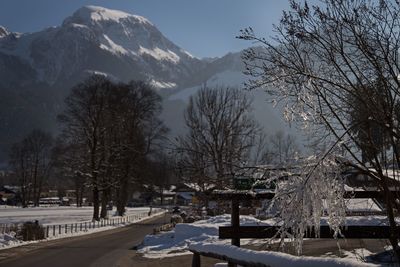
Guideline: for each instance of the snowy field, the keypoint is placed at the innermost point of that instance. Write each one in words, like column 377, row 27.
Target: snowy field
column 178, row 241
column 55, row 215
column 64, row 215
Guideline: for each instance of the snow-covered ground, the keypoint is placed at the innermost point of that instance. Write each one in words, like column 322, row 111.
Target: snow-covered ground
column 55, row 214
column 64, row 215
column 177, row 241
column 274, row 259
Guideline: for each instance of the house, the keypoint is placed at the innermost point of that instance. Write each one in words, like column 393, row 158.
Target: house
column 184, row 198
column 10, row 195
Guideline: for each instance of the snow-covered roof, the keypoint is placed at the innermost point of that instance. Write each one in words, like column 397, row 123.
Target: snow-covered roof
column 12, row 188
column 185, row 195
column 168, row 192
column 197, row 188
column 361, row 205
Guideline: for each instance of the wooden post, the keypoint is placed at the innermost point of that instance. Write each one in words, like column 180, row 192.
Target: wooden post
column 59, row 229
column 235, row 222
column 196, row 262
column 47, row 231
column 54, row 230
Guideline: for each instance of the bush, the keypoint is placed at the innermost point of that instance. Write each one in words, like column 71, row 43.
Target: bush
column 31, row 231
column 176, row 219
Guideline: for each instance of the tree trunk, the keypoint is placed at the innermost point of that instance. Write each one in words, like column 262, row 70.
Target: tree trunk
column 23, row 196
column 35, row 194
column 104, row 202
column 96, row 204
column 394, row 240
column 80, row 203
column 121, row 200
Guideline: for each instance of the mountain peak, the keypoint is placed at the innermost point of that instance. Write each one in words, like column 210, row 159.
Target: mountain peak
column 98, row 14
column 3, row 31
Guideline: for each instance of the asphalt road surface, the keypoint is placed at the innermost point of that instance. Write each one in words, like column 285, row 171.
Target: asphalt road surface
column 108, row 249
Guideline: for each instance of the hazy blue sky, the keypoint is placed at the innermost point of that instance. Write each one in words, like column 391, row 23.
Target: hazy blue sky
column 203, row 27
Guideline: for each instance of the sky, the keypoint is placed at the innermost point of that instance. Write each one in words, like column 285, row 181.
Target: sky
column 205, row 28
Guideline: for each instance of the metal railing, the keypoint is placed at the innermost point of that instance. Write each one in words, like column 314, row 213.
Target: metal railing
column 66, row 229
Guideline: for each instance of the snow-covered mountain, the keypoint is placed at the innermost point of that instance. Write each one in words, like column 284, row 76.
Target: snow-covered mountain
column 38, row 69
column 99, row 40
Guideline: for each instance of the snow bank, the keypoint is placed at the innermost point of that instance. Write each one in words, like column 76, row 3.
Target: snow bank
column 273, row 258
column 177, row 241
column 9, row 240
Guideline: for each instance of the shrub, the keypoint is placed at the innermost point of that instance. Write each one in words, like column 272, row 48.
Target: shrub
column 31, row 231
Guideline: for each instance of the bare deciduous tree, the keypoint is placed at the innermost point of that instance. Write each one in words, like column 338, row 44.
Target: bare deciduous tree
column 31, row 160
column 281, row 149
column 329, row 60
column 114, row 126
column 221, row 134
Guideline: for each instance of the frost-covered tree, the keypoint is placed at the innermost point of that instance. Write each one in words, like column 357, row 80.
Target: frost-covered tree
column 313, row 190
column 327, row 61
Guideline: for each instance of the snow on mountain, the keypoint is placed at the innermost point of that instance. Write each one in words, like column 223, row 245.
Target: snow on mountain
column 128, row 34
column 97, row 13
column 160, row 85
column 160, row 54
column 124, row 45
column 118, row 45
column 109, row 45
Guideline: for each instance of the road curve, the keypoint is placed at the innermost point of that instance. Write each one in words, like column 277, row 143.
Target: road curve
column 108, row 248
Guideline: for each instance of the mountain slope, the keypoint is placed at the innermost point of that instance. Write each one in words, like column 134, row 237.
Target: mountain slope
column 226, row 72
column 96, row 39
column 38, row 69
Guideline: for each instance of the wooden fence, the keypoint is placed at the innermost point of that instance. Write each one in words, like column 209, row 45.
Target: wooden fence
column 235, row 232
column 349, row 232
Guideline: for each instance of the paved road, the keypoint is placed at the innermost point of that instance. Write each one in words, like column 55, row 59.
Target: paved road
column 109, row 248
